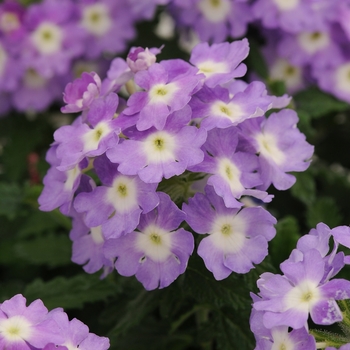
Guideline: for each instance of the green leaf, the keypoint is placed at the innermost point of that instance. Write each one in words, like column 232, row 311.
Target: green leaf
column 232, row 329
column 51, row 250
column 71, row 292
column 324, row 210
column 305, row 188
column 256, row 61
column 10, row 199
column 286, row 238
column 317, row 103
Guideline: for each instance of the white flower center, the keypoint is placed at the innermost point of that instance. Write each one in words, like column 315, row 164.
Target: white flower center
column 227, row 110
column 47, row 38
column 123, row 194
column 155, row 243
column 215, row 10
column 314, row 41
column 281, row 339
column 33, row 80
column 303, row 296
column 72, row 175
column 228, row 234
column 3, row 60
column 96, row 235
column 159, row 147
column 268, row 148
column 15, row 328
column 229, row 171
column 283, row 70
column 209, row 68
column 162, row 93
column 9, row 21
column 342, row 77
column 93, row 137
column 286, row 5
column 96, row 19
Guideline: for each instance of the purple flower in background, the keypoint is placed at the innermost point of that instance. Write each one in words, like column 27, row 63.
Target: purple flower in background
column 237, row 238
column 108, row 25
column 220, row 62
column 158, row 252
column 12, row 29
column 36, row 92
column 54, row 39
column 80, row 94
column 165, row 93
column 212, row 21
column 281, row 146
column 335, row 78
column 155, row 154
column 26, row 327
column 291, row 15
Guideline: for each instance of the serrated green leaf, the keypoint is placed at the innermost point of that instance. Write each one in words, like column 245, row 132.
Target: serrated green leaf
column 51, row 250
column 10, row 199
column 317, row 103
column 70, row 293
column 285, row 240
column 324, row 210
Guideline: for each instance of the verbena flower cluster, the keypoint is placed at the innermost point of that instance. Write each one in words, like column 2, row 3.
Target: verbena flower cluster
column 307, row 289
column 185, row 150
column 34, row 327
column 43, row 46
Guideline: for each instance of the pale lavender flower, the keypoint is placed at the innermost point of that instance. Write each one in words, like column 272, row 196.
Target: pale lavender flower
column 76, row 334
column 75, row 142
column 237, row 238
column 278, row 337
column 79, row 94
column 118, row 204
column 154, row 154
column 87, row 247
column 220, row 62
column 234, row 173
column 141, row 59
column 289, row 299
column 166, row 92
column 217, row 108
column 158, row 252
column 281, row 146
column 26, row 327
